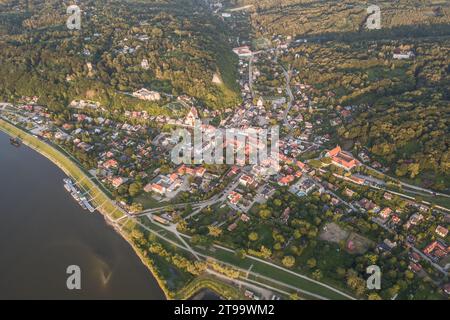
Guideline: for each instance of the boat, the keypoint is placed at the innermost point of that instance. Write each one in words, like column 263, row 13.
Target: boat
column 15, row 142
column 81, row 203
column 75, row 196
column 90, row 208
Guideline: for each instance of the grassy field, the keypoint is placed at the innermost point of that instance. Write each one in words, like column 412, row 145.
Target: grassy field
column 266, row 270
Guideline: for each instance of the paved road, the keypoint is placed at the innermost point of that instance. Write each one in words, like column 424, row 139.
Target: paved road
column 250, row 76
column 287, row 75
column 410, row 186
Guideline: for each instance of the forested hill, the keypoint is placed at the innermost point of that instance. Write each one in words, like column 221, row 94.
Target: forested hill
column 312, row 17
column 185, row 46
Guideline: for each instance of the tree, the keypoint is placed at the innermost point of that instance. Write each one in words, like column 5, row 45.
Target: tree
column 253, row 236
column 294, row 296
column 409, row 275
column 288, row 261
column 241, row 254
column 414, row 169
column 311, row 263
column 136, row 207
column 356, row 283
column 199, row 240
column 265, row 214
column 265, row 252
column 374, row 296
column 214, row 231
column 317, row 274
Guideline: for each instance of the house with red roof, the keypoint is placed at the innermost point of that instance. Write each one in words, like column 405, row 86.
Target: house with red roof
column 111, row 163
column 246, row 180
column 385, row 213
column 153, row 187
column 286, row 180
column 441, row 231
column 342, row 159
column 234, row 197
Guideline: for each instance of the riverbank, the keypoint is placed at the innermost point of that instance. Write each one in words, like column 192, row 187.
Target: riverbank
column 105, row 205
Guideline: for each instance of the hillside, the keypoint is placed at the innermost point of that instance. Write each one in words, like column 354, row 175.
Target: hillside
column 184, row 46
column 308, row 17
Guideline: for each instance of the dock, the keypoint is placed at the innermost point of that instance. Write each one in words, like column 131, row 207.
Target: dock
column 77, row 195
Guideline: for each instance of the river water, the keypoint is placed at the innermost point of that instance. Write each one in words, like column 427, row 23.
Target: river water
column 43, row 231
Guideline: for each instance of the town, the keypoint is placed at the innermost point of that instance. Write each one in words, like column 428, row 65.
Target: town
column 325, row 209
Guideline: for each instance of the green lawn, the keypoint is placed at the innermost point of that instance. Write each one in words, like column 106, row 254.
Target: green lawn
column 272, row 272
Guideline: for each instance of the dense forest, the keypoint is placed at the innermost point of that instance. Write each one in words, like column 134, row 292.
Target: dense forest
column 308, row 17
column 184, row 45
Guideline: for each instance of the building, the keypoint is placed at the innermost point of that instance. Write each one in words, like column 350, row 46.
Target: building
column 198, row 172
column 356, row 180
column 342, row 159
column 446, row 288
column 153, row 187
column 160, row 220
column 303, row 187
column 415, row 267
column 441, row 231
column 436, row 250
column 388, row 196
column 111, row 163
column 385, row 213
column 192, row 117
column 286, row 180
column 234, row 197
column 401, row 55
column 246, row 180
column 148, row 95
column 243, row 52
column 144, row 64
column 349, row 193
column 118, row 181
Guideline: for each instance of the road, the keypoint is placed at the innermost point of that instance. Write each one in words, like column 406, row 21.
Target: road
column 287, row 75
column 196, row 206
column 250, row 76
column 410, row 186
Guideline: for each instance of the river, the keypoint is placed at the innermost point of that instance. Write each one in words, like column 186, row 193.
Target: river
column 43, row 231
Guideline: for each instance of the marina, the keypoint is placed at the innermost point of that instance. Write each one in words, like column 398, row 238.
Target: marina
column 84, row 203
